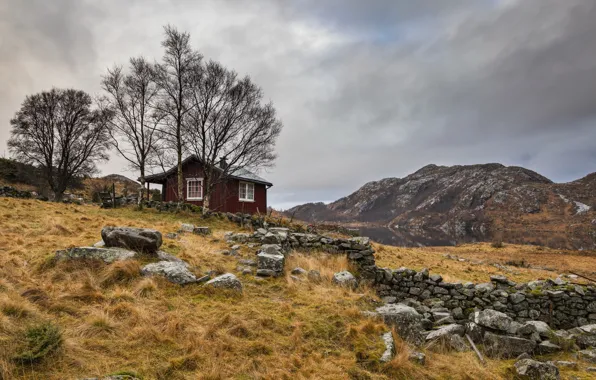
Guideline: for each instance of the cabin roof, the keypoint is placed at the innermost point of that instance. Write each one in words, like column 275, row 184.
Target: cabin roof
column 240, row 173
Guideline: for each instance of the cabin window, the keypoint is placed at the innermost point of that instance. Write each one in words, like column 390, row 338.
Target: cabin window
column 247, row 191
column 194, row 189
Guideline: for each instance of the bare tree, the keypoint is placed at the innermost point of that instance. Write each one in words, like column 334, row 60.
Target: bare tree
column 173, row 77
column 132, row 98
column 228, row 123
column 62, row 133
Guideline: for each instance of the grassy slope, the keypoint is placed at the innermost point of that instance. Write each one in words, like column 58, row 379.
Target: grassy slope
column 113, row 320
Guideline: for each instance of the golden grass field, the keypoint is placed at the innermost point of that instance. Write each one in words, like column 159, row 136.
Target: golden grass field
column 114, row 321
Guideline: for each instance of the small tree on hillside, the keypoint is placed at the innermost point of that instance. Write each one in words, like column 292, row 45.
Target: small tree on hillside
column 173, row 76
column 61, row 132
column 229, row 127
column 135, row 124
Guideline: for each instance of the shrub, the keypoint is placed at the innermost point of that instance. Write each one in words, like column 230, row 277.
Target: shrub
column 39, row 341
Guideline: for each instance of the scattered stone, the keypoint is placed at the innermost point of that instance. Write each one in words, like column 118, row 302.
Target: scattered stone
column 345, row 278
column 507, row 346
column 534, row 370
column 405, row 319
column 172, row 235
column 389, row 347
column 417, row 357
column 226, row 281
column 314, row 276
column 299, row 271
column 173, row 271
column 107, row 255
column 186, row 227
column 270, row 265
column 541, row 328
column 493, row 319
column 137, row 239
column 250, row 263
column 591, row 369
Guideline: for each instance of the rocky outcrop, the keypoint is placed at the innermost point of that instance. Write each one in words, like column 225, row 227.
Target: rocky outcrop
column 504, row 346
column 107, row 255
column 137, row 239
column 174, row 271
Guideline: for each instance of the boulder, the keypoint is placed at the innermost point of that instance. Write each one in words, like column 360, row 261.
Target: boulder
column 137, row 239
column 507, row 346
column 406, row 321
column 270, row 264
column 345, row 278
column 585, row 336
column 529, row 369
column 541, row 328
column 173, row 271
column 226, row 281
column 107, row 255
column 389, row 347
column 493, row 319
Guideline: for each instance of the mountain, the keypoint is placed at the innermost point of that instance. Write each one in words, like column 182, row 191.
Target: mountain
column 448, row 204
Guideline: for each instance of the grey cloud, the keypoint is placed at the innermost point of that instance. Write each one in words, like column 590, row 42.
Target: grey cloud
column 366, row 90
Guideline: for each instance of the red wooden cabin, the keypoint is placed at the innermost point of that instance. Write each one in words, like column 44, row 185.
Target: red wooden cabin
column 242, row 191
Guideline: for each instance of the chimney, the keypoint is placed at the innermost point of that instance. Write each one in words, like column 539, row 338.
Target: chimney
column 223, row 163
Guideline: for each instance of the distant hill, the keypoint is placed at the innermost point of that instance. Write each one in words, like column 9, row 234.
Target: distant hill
column 448, row 204
column 123, row 185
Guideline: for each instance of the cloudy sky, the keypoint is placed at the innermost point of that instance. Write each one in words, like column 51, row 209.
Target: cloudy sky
column 365, row 89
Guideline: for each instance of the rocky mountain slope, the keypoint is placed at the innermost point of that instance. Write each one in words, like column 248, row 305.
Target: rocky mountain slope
column 449, row 204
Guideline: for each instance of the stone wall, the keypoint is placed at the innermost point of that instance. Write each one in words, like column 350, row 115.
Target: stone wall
column 558, row 303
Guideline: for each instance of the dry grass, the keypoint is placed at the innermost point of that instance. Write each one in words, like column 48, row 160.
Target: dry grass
column 482, row 257
column 113, row 320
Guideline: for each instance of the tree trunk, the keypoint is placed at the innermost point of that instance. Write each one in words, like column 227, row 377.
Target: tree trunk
column 180, row 178
column 142, row 192
column 206, row 199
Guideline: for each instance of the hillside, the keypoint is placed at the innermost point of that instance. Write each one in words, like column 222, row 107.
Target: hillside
column 448, row 204
column 112, row 320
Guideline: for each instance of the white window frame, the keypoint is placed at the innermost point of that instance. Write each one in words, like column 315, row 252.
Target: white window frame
column 246, row 184
column 188, row 197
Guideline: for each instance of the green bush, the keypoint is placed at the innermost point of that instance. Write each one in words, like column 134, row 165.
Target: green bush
column 39, row 341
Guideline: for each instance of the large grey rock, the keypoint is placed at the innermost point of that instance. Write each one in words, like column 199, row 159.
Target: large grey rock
column 389, row 347
column 493, row 319
column 174, row 271
column 226, row 281
column 405, row 319
column 446, row 331
column 528, row 369
column 507, row 346
column 270, row 264
column 107, row 255
column 345, row 278
column 137, row 239
column 541, row 328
